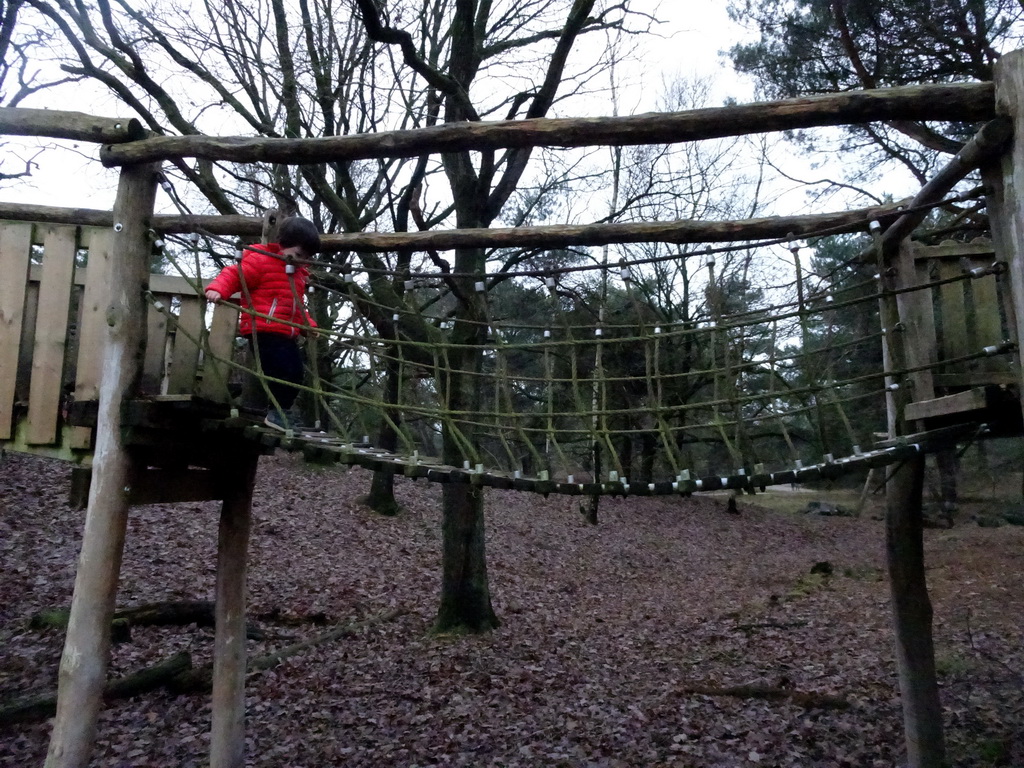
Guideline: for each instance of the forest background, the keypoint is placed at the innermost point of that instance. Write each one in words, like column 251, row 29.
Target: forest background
column 324, row 68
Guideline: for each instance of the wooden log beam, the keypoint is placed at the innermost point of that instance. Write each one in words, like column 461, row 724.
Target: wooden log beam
column 83, row 665
column 551, row 236
column 955, row 101
column 74, row 126
column 227, row 733
column 993, row 138
column 1005, row 182
column 233, row 225
column 567, row 235
column 912, row 616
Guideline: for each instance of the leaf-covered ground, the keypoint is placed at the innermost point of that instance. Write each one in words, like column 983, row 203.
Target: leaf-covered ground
column 606, row 631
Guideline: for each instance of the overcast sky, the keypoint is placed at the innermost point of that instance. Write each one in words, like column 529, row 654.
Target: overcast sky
column 687, row 44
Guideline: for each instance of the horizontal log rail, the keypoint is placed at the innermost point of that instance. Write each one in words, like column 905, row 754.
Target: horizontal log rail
column 75, row 126
column 683, row 231
column 551, row 236
column 226, row 226
column 957, row 102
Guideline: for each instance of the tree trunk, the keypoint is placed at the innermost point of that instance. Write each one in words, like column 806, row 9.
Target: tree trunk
column 912, row 616
column 626, row 455
column 595, row 499
column 381, row 498
column 948, row 466
column 465, row 593
column 648, row 454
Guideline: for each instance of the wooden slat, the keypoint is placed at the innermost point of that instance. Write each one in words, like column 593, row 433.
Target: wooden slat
column 28, row 340
column 918, row 318
column 153, row 368
column 954, row 315
column 170, row 486
column 185, row 355
column 175, row 285
column 51, row 334
column 172, row 285
column 91, row 326
column 988, row 326
column 1005, row 377
column 969, row 400
column 219, row 349
column 950, row 249
column 15, row 245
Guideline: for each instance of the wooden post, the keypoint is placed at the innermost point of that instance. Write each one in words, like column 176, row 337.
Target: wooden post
column 1006, row 183
column 227, row 742
column 83, row 665
column 912, row 611
column 912, row 616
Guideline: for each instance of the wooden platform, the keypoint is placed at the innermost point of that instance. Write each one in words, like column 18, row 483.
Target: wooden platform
column 956, row 315
column 52, row 322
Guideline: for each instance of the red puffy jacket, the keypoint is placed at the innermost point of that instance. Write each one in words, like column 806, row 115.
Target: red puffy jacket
column 269, row 290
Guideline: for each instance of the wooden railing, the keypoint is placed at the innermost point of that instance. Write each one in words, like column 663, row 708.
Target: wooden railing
column 53, row 323
column 951, row 325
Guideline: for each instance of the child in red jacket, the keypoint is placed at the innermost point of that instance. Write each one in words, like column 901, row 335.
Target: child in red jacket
column 274, row 287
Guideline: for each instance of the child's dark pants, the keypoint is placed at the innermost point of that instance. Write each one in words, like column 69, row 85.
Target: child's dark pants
column 280, row 358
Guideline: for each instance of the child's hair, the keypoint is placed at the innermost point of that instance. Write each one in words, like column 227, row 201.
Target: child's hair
column 299, row 231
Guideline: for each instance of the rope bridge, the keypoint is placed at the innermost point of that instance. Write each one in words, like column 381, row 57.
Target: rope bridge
column 588, row 385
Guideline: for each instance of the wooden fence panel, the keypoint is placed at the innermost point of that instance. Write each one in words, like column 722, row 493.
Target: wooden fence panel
column 15, row 247
column 970, row 314
column 45, row 390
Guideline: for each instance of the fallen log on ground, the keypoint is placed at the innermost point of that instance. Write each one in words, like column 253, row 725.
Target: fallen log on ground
column 178, row 613
column 178, row 675
column 40, row 707
column 200, row 679
column 808, row 700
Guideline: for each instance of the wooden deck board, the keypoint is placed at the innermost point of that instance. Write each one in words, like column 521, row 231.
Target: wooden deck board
column 961, row 402
column 917, row 314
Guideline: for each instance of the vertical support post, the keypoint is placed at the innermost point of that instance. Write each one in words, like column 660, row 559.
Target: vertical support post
column 805, row 345
column 83, row 665
column 912, row 616
column 911, row 607
column 227, row 742
column 1006, row 183
column 895, row 344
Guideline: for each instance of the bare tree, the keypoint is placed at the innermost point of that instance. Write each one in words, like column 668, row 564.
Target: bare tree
column 326, row 67
column 21, row 76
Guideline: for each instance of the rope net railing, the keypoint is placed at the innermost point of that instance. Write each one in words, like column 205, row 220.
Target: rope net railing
column 610, row 377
